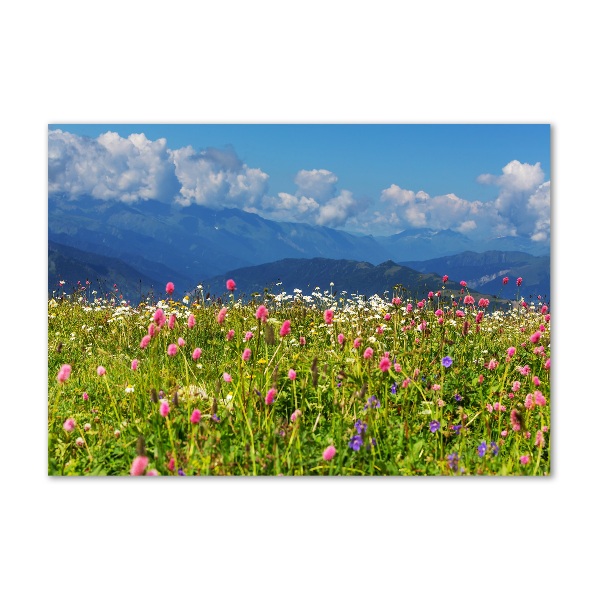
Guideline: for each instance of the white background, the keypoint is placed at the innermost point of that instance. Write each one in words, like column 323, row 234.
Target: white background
column 316, row 62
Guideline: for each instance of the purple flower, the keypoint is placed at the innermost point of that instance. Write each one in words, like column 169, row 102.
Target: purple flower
column 372, row 402
column 434, row 426
column 481, row 449
column 216, row 418
column 453, row 461
column 355, row 443
column 393, row 389
column 446, row 361
column 360, row 426
column 494, row 448
column 180, row 472
column 457, row 428
column 458, row 397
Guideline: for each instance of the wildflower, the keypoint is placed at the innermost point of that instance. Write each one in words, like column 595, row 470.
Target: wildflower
column 547, row 364
column 85, row 396
column 463, row 283
column 524, row 370
column 535, row 338
column 453, row 461
column 397, row 367
column 292, row 374
column 145, row 341
column 504, row 433
column 469, row 300
column 444, row 278
column 483, row 303
column 101, row 371
column 385, row 364
column 505, row 281
column 328, row 316
column 393, row 388
column 539, row 398
column 409, row 307
column 297, row 413
column 302, row 341
column 511, row 352
column 170, row 288
column 195, row 416
column 479, row 317
column 69, row 425
column 230, row 335
column 481, row 449
column 355, row 443
column 138, row 466
column 164, row 409
column 227, row 377
column 458, row 397
column 519, row 281
column 360, row 426
column 197, row 353
column 159, row 317
column 117, row 433
column 134, row 364
column 151, row 472
column 405, row 383
column 172, row 320
column 515, row 420
column 494, row 448
column 172, row 349
column 372, row 402
column 387, row 316
column 341, row 339
column 446, row 361
column 191, row 321
column 368, row 353
column 516, row 386
column 262, row 313
column 396, row 301
column 544, row 309
column 525, row 459
column 434, row 426
column 230, row 285
column 492, row 364
column 285, row 328
column 180, row 342
column 357, row 342
column 63, row 373
column 460, row 313
column 270, row 396
column 457, row 428
column 528, row 401
column 246, row 354
column 329, row 453
column 539, row 439
column 221, row 315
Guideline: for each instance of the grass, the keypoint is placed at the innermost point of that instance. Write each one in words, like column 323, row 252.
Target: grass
column 433, row 399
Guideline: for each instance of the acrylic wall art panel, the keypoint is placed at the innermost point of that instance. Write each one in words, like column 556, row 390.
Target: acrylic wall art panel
column 298, row 300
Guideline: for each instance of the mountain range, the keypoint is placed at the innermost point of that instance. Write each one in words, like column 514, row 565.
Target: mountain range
column 141, row 244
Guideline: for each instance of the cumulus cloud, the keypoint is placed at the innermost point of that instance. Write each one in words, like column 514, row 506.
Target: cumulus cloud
column 110, row 167
column 318, row 184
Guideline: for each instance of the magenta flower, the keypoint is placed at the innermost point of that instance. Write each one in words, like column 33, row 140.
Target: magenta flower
column 463, row 283
column 328, row 316
column 262, row 313
column 69, row 425
column 196, row 416
column 444, row 278
column 511, row 352
column 292, row 374
column 159, row 317
column 535, row 338
column 505, row 281
column 180, row 342
column 170, row 288
column 138, row 466
column 385, row 364
column 483, row 303
column 270, row 397
column 302, row 341
column 191, row 321
column 249, row 335
column 246, row 354
column 230, row 335
column 469, row 300
column 85, row 396
column 525, row 459
column 341, row 339
column 519, row 281
column 460, row 313
column 164, row 409
column 197, row 353
column 101, row 371
column 172, row 349
column 295, row 415
column 539, row 398
column 409, row 307
column 357, row 342
column 227, row 377
column 285, row 328
column 368, row 353
column 63, row 373
column 145, row 341
column 134, row 364
column 172, row 320
column 230, row 285
column 221, row 315
column 329, row 453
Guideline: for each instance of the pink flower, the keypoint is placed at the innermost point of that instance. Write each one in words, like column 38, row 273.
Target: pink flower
column 368, row 353
column 528, row 401
column 524, row 370
column 172, row 349
column 230, row 285
column 511, row 352
column 79, row 442
column 230, row 335
column 328, row 316
column 297, row 413
column 69, row 425
column 405, row 383
column 539, row 439
column 145, row 341
column 262, row 313
column 63, row 373
column 535, row 338
column 544, row 309
column 536, row 380
column 134, row 364
column 227, row 377
column 430, row 295
column 463, row 283
column 483, row 303
column 444, row 278
column 539, row 398
column 249, row 335
column 292, row 374
column 409, row 307
column 519, row 281
column 329, row 453
column 492, row 364
column 138, row 466
column 504, row 433
column 221, row 315
column 164, row 409
column 469, row 300
column 196, row 416
column 420, row 304
column 547, row 365
column 152, row 331
column 505, row 281
column 514, row 420
column 191, row 321
column 384, row 364
column 85, row 396
column 197, row 353
column 479, row 317
column 151, row 472
column 516, row 386
column 246, row 354
column 170, row 288
column 159, row 317
column 397, row 367
column 357, row 342
column 436, row 387
column 270, row 397
column 285, row 328
column 341, row 339
column 180, row 342
column 460, row 313
column 101, row 371
column 171, row 465
column 525, row 459
column 302, row 341
column 396, row 301
column 439, row 312
column 172, row 320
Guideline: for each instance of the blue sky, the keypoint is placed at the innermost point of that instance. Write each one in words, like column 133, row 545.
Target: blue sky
column 364, row 178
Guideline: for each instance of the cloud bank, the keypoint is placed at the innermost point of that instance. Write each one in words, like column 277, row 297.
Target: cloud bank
column 135, row 169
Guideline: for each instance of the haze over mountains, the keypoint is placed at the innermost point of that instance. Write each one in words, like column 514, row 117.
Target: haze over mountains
column 149, row 242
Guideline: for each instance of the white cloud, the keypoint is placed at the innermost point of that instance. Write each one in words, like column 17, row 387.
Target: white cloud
column 318, row 184
column 109, row 167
